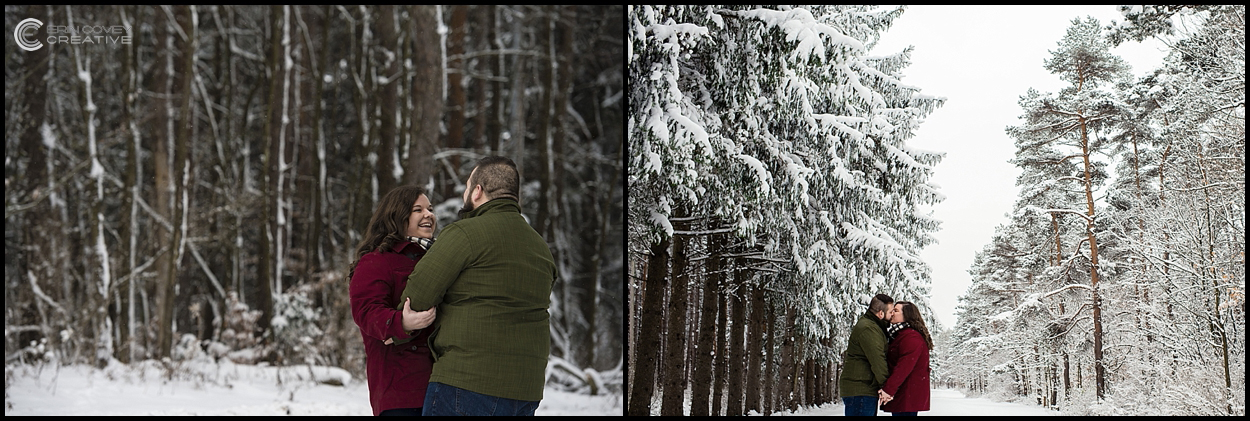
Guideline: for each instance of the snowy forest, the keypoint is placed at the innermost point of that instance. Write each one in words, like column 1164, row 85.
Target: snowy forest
column 1118, row 287
column 772, row 191
column 201, row 188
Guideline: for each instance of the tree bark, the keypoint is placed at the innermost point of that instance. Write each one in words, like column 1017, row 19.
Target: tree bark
column 1093, row 268
column 674, row 384
column 455, row 91
column 737, row 350
column 787, row 369
column 648, row 345
column 128, row 352
column 163, row 110
column 427, row 92
column 516, row 110
column 701, row 379
column 755, row 348
column 388, row 96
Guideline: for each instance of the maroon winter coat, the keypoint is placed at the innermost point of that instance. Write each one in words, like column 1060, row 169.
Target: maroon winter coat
column 397, row 374
column 908, row 358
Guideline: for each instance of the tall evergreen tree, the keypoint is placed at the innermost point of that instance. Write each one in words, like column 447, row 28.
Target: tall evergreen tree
column 1069, row 123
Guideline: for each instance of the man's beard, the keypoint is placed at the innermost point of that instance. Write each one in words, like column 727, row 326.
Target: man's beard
column 464, row 210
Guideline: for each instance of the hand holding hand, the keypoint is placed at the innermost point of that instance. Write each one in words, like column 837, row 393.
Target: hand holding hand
column 883, row 398
column 413, row 320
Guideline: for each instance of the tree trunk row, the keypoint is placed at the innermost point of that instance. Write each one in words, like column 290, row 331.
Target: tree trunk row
column 710, row 336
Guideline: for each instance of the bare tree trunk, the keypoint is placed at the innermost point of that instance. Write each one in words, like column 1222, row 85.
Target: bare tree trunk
column 755, row 348
column 428, row 93
column 642, row 388
column 317, row 190
column 270, row 238
column 1093, row 268
column 387, row 90
column 737, row 350
column 455, row 91
column 701, row 379
column 720, row 368
column 516, row 110
column 97, row 301
column 280, row 203
column 483, row 19
column 787, row 369
column 770, row 372
column 674, row 379
column 163, row 109
column 499, row 66
column 128, row 350
column 35, row 187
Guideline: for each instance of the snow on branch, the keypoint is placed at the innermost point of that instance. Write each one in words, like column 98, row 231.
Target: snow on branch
column 1065, row 288
column 840, row 123
column 665, row 32
column 761, row 173
column 1031, row 208
column 799, row 25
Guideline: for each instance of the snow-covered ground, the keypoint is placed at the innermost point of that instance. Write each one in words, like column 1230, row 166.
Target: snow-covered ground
column 149, row 388
column 946, row 402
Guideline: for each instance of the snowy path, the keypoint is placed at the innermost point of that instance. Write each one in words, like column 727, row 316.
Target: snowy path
column 947, row 402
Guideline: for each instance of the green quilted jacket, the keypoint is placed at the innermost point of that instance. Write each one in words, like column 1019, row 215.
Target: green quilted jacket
column 865, row 369
column 491, row 276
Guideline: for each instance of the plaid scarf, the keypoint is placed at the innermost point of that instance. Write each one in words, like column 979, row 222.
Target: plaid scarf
column 425, row 243
column 894, row 328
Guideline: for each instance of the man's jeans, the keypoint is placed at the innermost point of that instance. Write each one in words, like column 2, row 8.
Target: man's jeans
column 855, row 405
column 441, row 399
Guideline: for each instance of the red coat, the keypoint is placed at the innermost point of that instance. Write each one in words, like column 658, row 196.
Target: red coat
column 397, row 374
column 908, row 358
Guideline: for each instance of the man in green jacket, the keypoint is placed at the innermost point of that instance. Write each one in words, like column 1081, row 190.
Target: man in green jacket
column 864, row 370
column 490, row 274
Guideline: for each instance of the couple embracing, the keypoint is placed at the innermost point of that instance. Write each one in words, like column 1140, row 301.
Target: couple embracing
column 457, row 327
column 887, row 360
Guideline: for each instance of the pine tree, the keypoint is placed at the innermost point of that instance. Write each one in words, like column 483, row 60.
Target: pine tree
column 1068, row 123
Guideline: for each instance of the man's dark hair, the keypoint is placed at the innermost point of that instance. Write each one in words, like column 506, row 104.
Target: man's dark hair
column 498, row 177
column 880, row 303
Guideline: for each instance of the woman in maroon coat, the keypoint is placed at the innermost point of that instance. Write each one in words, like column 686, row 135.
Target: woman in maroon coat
column 906, row 391
column 401, row 228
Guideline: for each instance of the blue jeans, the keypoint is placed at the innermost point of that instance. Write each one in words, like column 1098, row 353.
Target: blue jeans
column 855, row 405
column 442, row 399
column 903, row 414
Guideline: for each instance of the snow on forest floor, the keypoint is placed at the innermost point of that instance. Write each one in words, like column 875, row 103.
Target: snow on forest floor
column 218, row 389
column 945, row 402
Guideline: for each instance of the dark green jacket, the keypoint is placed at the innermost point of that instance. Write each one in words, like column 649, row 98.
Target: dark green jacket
column 491, row 276
column 865, row 369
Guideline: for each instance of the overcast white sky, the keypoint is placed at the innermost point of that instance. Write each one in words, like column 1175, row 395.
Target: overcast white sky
column 982, row 59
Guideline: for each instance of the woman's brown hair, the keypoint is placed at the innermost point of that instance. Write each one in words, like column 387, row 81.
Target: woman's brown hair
column 911, row 315
column 389, row 220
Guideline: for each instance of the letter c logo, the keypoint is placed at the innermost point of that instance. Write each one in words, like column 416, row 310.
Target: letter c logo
column 20, row 38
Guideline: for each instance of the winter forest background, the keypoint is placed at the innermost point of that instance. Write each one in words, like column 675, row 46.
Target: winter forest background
column 201, row 190
column 772, row 190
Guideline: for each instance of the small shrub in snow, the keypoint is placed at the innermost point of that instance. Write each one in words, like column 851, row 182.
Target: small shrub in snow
column 294, row 328
column 239, row 341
